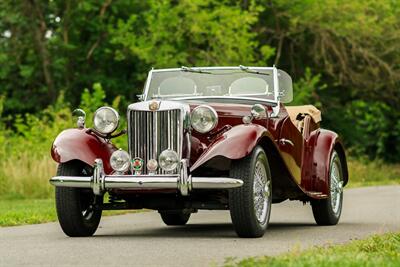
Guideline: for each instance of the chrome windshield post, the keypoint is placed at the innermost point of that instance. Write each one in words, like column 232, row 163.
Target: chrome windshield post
column 275, row 109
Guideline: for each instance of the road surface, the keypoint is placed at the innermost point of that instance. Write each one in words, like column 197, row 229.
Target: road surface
column 142, row 239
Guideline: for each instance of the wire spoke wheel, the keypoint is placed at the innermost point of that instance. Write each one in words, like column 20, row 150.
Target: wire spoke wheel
column 336, row 185
column 261, row 191
column 328, row 211
column 250, row 205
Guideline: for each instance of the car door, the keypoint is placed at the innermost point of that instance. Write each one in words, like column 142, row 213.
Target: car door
column 291, row 144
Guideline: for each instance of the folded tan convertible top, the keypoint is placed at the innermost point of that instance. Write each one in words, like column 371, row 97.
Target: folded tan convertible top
column 293, row 111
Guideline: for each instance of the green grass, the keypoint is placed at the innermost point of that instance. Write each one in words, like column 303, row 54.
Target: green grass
column 26, row 211
column 368, row 173
column 378, row 250
column 32, row 211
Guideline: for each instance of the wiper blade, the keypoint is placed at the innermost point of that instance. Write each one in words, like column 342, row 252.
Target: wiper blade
column 188, row 69
column 247, row 69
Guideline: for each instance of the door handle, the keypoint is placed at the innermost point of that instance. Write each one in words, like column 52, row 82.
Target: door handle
column 284, row 141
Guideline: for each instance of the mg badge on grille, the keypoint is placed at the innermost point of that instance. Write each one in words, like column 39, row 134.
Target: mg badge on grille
column 137, row 166
column 154, row 105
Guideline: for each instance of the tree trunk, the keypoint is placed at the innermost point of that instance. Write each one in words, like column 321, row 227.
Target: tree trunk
column 34, row 12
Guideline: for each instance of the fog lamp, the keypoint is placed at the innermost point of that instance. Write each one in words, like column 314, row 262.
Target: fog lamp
column 120, row 160
column 152, row 165
column 168, row 160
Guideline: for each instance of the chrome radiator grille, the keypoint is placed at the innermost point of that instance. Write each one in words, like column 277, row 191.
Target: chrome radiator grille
column 151, row 132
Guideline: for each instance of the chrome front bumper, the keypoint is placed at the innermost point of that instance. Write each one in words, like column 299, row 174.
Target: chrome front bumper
column 182, row 182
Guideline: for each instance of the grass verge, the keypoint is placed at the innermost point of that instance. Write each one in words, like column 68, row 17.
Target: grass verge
column 32, row 211
column 378, row 250
column 368, row 173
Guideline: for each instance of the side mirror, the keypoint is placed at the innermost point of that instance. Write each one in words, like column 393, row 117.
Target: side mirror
column 81, row 117
column 140, row 97
column 258, row 112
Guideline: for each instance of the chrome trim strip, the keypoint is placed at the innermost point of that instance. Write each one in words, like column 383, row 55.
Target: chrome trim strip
column 147, row 182
column 214, row 68
column 258, row 100
column 183, row 182
column 275, row 110
column 215, row 183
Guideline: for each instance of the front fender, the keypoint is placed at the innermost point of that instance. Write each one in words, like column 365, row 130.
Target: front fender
column 77, row 144
column 235, row 143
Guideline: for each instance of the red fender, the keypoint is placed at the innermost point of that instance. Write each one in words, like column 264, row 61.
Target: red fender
column 77, row 144
column 235, row 143
column 316, row 173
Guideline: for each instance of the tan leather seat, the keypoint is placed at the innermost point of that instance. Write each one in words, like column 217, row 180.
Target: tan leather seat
column 294, row 111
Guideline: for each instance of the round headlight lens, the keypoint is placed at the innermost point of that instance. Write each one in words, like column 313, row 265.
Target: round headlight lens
column 204, row 119
column 120, row 161
column 168, row 160
column 106, row 120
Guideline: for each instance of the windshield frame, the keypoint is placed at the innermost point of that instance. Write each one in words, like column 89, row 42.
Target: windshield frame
column 274, row 102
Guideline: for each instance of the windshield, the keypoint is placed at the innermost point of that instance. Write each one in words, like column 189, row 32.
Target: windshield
column 212, row 82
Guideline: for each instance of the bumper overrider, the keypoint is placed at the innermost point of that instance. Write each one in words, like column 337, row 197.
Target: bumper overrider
column 182, row 182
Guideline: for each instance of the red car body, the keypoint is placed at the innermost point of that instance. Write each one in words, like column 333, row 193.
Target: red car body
column 213, row 138
column 233, row 139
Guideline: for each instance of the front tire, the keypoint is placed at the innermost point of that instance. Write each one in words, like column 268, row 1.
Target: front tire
column 250, row 205
column 328, row 211
column 75, row 206
column 175, row 218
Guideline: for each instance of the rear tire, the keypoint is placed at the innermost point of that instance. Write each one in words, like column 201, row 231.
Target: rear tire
column 75, row 206
column 175, row 218
column 250, row 205
column 328, row 211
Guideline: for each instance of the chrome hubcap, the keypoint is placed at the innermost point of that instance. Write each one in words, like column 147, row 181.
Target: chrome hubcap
column 336, row 184
column 262, row 191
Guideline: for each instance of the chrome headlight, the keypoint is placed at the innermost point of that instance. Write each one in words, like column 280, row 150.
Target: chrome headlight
column 168, row 160
column 106, row 120
column 120, row 160
column 204, row 118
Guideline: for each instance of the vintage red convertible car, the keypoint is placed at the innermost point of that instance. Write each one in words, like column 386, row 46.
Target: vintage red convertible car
column 216, row 138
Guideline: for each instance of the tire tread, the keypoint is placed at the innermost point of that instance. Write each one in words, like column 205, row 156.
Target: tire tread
column 68, row 206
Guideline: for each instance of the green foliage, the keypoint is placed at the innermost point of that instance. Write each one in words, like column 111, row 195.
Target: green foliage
column 371, row 127
column 196, row 32
column 91, row 101
column 26, row 164
column 340, row 54
column 378, row 250
column 305, row 90
column 367, row 173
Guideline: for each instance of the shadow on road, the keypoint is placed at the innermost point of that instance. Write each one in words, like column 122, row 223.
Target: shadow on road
column 220, row 230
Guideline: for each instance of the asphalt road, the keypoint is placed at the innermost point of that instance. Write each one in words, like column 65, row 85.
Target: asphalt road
column 142, row 239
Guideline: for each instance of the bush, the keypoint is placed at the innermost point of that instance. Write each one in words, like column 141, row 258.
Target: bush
column 26, row 164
